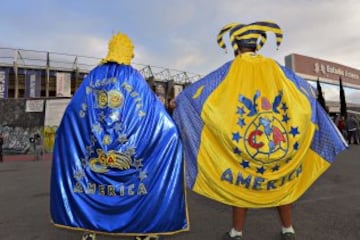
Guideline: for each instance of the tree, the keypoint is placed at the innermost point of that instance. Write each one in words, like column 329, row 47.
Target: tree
column 343, row 108
column 320, row 96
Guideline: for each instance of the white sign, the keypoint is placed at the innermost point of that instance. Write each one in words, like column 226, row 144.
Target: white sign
column 34, row 106
column 54, row 111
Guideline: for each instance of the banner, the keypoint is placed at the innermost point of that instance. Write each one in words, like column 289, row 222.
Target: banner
column 63, row 84
column 32, row 84
column 4, row 82
column 161, row 90
column 177, row 89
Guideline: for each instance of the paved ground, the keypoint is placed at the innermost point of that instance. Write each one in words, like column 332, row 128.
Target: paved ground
column 330, row 210
column 25, row 157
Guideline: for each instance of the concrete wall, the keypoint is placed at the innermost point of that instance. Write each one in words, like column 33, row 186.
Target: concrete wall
column 17, row 126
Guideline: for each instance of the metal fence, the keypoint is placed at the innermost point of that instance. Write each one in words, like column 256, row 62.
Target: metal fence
column 67, row 62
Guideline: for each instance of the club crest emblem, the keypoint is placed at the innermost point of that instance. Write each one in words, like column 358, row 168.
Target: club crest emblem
column 102, row 99
column 264, row 132
column 111, row 99
column 115, row 99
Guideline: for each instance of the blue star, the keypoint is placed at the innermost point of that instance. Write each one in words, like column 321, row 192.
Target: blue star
column 237, row 151
column 296, row 146
column 117, row 127
column 294, row 131
column 276, row 168
column 285, row 118
column 241, row 122
column 284, row 107
column 245, row 164
column 260, row 170
column 236, row 136
column 240, row 110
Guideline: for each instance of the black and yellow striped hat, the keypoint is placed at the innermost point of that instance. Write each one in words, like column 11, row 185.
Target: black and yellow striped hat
column 250, row 36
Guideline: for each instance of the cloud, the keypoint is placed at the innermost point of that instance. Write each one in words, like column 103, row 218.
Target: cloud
column 182, row 35
column 187, row 53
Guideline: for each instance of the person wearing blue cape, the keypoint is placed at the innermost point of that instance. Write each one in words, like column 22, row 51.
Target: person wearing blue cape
column 118, row 163
column 253, row 132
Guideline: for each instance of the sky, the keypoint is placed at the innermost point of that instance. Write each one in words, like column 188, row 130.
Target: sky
column 182, row 34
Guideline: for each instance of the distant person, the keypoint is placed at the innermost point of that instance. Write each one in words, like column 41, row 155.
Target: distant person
column 357, row 134
column 1, row 147
column 36, row 142
column 254, row 134
column 38, row 147
column 352, row 128
column 341, row 125
column 170, row 106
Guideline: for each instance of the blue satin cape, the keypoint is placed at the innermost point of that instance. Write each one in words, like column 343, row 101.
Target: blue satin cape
column 117, row 162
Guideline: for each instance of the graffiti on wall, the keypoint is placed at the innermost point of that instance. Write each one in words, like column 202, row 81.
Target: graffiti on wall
column 25, row 118
column 17, row 139
column 18, row 125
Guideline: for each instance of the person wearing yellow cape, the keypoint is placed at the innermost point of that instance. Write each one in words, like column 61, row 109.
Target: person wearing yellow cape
column 254, row 135
column 117, row 164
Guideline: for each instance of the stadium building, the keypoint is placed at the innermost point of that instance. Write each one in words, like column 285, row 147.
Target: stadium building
column 36, row 86
column 329, row 74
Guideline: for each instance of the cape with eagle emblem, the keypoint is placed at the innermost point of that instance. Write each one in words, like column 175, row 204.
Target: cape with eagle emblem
column 117, row 161
column 254, row 134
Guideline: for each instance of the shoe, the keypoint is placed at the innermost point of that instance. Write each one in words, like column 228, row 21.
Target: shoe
column 88, row 236
column 288, row 236
column 228, row 237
